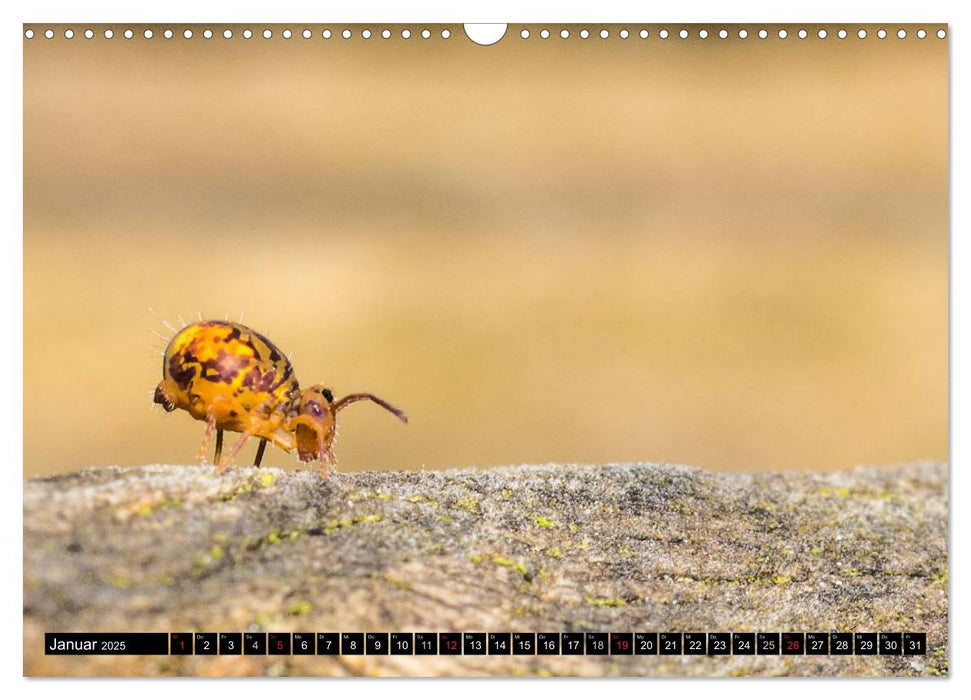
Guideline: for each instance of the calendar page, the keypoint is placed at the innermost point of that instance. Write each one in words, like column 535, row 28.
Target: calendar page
column 485, row 350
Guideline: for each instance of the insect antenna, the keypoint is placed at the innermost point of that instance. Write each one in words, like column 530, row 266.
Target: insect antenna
column 354, row 398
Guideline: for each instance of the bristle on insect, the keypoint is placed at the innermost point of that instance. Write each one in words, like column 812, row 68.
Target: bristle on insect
column 165, row 323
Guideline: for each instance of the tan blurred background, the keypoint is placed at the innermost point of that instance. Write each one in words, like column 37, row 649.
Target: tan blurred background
column 731, row 254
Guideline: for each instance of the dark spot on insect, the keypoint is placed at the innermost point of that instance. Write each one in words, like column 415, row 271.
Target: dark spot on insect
column 275, row 354
column 224, row 367
column 233, row 414
column 329, row 395
column 257, row 381
column 315, row 408
column 74, row 547
column 279, row 382
column 180, row 374
column 234, row 334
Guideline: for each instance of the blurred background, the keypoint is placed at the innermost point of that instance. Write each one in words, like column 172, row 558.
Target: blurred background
column 731, row 254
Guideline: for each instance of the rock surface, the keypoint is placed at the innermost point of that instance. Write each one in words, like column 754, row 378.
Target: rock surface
column 622, row 547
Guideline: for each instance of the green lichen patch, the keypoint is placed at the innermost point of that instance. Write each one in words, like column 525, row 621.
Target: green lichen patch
column 510, row 564
column 469, row 504
column 299, row 607
column 333, row 526
column 605, row 602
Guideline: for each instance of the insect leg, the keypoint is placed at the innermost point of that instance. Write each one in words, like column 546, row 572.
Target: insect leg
column 327, row 461
column 259, row 451
column 233, row 451
column 326, row 458
column 219, row 446
column 207, row 438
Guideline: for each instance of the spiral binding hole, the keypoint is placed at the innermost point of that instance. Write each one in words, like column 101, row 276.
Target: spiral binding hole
column 525, row 33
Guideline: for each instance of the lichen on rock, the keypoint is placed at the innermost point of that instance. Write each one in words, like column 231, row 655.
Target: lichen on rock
column 619, row 547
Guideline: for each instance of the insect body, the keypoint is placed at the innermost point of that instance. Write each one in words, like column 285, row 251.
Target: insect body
column 235, row 379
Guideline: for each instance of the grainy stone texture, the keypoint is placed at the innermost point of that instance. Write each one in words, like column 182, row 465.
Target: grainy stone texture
column 622, row 547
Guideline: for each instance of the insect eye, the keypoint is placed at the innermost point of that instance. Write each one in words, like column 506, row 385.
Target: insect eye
column 328, row 394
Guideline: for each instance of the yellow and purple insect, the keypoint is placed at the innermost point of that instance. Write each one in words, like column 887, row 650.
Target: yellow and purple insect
column 235, row 379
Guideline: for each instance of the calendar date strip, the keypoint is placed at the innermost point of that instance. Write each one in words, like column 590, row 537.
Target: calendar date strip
column 488, row 643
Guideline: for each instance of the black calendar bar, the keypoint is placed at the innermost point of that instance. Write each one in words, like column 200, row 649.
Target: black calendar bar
column 106, row 643
column 489, row 643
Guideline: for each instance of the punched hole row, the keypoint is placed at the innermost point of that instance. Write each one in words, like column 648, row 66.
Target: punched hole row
column 725, row 34
column 245, row 34
column 446, row 34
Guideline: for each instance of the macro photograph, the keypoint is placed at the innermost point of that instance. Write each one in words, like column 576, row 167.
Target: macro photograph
column 404, row 350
